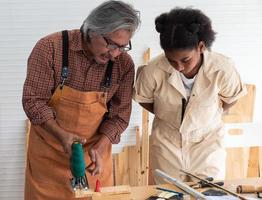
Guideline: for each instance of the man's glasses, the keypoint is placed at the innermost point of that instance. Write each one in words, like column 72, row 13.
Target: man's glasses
column 112, row 46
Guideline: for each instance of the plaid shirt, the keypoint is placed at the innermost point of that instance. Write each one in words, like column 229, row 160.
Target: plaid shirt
column 44, row 75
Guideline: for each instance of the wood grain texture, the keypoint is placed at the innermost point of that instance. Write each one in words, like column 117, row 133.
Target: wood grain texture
column 145, row 137
column 243, row 110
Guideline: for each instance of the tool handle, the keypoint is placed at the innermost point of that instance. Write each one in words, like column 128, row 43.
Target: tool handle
column 77, row 160
column 248, row 189
column 205, row 184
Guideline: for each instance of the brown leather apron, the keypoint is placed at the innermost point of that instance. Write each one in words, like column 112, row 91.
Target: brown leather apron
column 48, row 171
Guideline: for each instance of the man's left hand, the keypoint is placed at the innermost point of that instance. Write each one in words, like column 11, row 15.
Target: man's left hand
column 96, row 153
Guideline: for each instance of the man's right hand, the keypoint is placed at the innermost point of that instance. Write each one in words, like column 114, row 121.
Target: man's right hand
column 66, row 138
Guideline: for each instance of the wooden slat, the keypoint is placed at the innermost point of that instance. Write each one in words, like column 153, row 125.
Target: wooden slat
column 260, row 161
column 145, row 148
column 134, row 162
column 127, row 164
column 145, row 136
column 253, row 162
column 236, row 163
column 107, row 193
column 243, row 110
column 242, row 162
column 121, row 174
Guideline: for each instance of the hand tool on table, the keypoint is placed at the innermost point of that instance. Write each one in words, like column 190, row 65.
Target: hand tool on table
column 180, row 185
column 250, row 189
column 78, row 166
column 202, row 184
column 214, row 185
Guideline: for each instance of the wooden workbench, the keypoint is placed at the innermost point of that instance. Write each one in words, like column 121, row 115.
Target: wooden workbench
column 143, row 192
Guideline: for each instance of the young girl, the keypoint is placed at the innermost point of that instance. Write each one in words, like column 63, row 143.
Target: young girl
column 187, row 88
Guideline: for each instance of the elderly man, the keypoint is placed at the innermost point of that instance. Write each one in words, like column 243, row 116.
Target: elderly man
column 78, row 89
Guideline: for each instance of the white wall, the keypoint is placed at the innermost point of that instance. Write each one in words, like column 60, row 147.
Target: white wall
column 22, row 23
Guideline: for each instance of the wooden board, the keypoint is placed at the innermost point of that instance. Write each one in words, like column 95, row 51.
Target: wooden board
column 243, row 110
column 237, row 163
column 134, row 162
column 107, row 193
column 260, row 161
column 253, row 162
column 242, row 162
column 145, row 148
column 127, row 164
column 145, row 137
column 121, row 169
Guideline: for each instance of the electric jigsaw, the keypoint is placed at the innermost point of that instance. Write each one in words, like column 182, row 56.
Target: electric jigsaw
column 78, row 166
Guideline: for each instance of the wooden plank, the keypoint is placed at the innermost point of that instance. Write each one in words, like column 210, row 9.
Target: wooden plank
column 112, row 197
column 237, row 163
column 145, row 148
column 253, row 162
column 127, row 164
column 243, row 110
column 134, row 163
column 106, row 193
column 260, row 161
column 242, row 162
column 121, row 173
column 145, row 137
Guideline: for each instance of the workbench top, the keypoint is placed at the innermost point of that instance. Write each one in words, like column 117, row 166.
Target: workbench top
column 144, row 192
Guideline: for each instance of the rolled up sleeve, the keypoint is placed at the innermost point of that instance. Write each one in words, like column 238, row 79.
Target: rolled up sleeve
column 143, row 91
column 232, row 87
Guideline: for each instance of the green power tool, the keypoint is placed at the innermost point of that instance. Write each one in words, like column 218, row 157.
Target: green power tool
column 78, row 166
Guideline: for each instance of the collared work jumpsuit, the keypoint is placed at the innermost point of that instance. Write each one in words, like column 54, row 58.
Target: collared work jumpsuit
column 192, row 139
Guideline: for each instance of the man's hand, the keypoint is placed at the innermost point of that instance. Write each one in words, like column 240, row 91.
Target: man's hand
column 66, row 138
column 96, row 153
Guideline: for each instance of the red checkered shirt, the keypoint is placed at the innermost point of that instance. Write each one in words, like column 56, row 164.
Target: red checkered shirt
column 44, row 75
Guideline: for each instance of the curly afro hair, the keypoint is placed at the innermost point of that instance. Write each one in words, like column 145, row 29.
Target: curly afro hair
column 184, row 28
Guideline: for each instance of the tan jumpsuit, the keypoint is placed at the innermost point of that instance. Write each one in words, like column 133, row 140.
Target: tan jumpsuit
column 193, row 143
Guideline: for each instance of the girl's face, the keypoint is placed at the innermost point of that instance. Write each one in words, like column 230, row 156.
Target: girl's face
column 186, row 61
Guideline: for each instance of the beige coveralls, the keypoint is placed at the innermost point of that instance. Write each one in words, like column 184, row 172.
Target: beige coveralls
column 194, row 143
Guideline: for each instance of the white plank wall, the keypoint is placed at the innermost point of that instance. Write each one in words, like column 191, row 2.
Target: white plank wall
column 23, row 22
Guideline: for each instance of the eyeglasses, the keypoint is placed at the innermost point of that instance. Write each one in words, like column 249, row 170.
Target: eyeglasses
column 112, row 46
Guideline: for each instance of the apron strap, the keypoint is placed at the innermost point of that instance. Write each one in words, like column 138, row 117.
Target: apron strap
column 108, row 75
column 64, row 72
column 107, row 83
